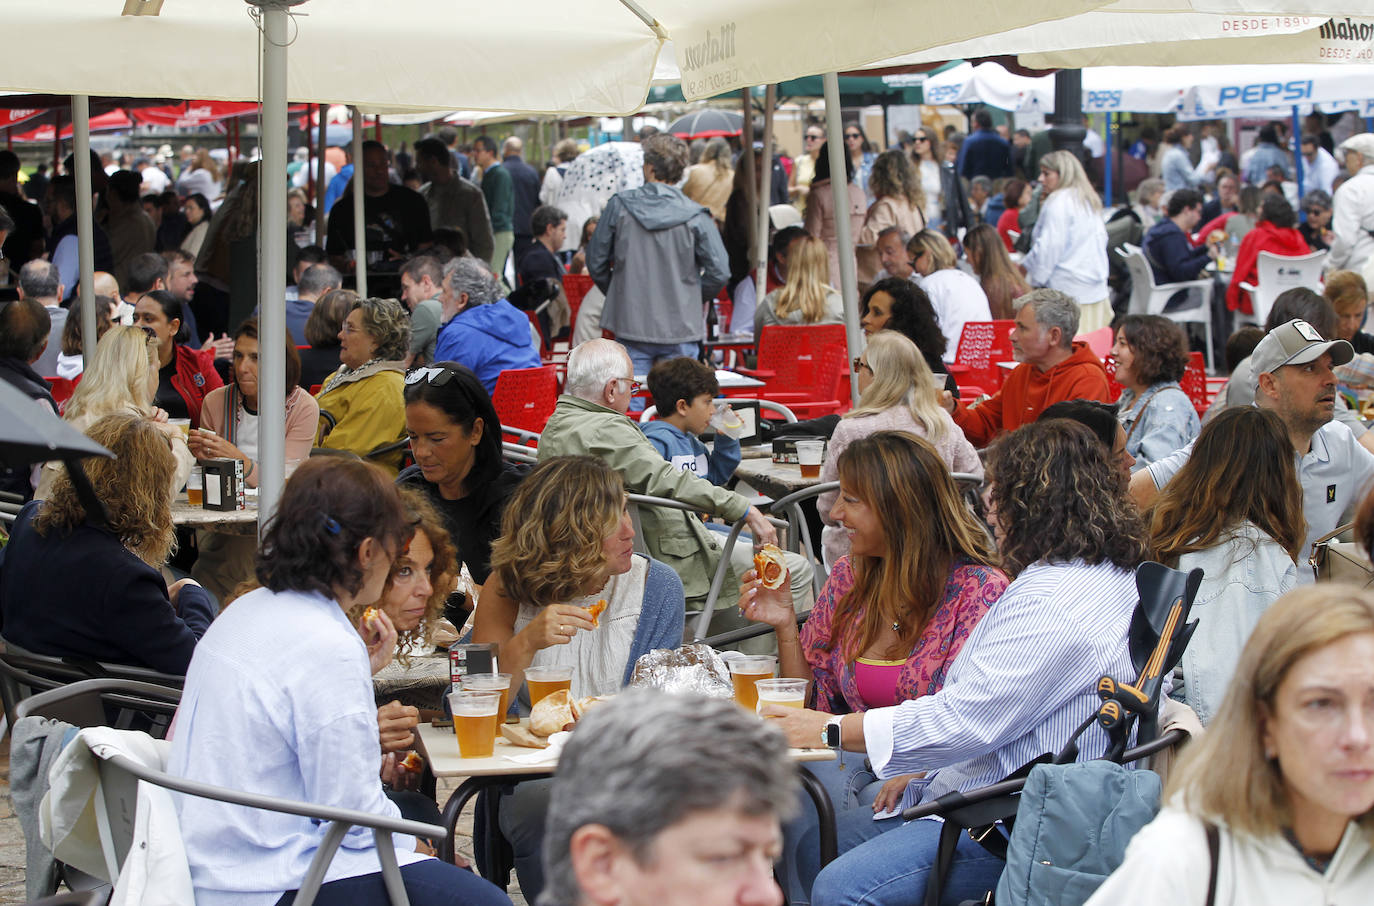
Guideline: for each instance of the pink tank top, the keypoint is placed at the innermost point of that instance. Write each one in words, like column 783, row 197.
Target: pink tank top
column 877, row 681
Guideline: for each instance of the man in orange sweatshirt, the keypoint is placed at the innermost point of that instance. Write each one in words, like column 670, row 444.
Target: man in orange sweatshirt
column 1053, row 368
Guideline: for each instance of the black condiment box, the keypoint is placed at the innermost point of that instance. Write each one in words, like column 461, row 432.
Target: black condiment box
column 223, row 484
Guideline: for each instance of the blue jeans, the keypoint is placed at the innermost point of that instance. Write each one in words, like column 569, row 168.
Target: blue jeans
column 644, row 356
column 891, row 868
column 852, row 790
column 427, row 883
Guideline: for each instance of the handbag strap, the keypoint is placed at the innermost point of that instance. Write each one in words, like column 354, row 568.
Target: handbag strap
column 1214, row 848
column 1333, row 533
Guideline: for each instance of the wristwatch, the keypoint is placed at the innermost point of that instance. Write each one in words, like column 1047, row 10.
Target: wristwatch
column 830, row 736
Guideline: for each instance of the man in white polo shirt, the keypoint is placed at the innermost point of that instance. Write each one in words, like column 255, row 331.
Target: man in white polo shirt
column 1293, row 376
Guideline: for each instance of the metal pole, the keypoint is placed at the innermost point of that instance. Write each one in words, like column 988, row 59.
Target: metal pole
column 310, row 154
column 359, row 223
column 321, row 215
column 272, row 261
column 1067, row 132
column 1107, row 159
column 1297, row 155
column 770, row 98
column 849, row 281
column 85, row 232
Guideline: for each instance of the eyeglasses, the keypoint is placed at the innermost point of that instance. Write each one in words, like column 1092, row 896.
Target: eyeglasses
column 813, row 138
column 860, row 363
column 434, row 376
column 852, row 135
column 922, row 138
column 634, row 384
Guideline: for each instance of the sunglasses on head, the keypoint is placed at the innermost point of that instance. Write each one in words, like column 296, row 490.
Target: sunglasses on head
column 432, row 375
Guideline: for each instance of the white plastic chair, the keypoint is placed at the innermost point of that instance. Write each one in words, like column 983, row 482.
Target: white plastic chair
column 1278, row 274
column 1149, row 297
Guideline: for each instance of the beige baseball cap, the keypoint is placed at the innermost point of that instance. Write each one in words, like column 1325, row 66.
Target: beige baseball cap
column 1294, row 343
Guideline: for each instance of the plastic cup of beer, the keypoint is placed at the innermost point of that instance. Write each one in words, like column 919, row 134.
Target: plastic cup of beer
column 745, row 672
column 809, row 453
column 789, row 693
column 474, row 720
column 195, row 487
column 546, row 681
column 491, row 682
column 183, row 425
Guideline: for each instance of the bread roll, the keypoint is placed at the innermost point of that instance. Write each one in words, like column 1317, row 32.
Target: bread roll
column 770, row 566
column 554, row 712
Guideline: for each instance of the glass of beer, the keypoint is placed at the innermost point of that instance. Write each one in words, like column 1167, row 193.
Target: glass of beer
column 544, row 681
column 183, row 425
column 474, row 720
column 195, row 487
column 745, row 672
column 790, row 693
column 809, row 453
column 491, row 682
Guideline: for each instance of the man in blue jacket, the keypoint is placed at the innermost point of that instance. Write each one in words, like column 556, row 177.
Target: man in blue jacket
column 984, row 152
column 1167, row 247
column 478, row 328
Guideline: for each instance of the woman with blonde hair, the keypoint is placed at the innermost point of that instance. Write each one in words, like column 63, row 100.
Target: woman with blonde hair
column 1001, row 280
column 955, row 296
column 807, row 297
column 897, row 392
column 1275, row 802
column 567, row 544
column 203, row 177
column 1069, row 246
column 81, row 584
column 121, row 378
column 899, row 201
column 710, row 181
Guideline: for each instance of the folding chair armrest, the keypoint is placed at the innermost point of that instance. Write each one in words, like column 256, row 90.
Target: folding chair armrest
column 1182, row 284
column 746, row 632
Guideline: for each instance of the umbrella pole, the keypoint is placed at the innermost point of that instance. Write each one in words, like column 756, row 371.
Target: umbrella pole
column 321, row 215
column 310, row 151
column 770, row 98
column 359, row 221
column 272, row 262
column 849, row 285
column 85, row 236
column 1107, row 159
column 1297, row 157
column 90, row 500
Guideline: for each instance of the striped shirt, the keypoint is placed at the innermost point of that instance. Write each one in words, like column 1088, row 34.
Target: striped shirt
column 1024, row 681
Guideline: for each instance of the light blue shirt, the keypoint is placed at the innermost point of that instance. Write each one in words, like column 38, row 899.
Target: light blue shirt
column 1023, row 682
column 1158, row 422
column 278, row 702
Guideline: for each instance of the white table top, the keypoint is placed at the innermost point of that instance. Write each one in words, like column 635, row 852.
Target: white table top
column 728, row 380
column 244, row 521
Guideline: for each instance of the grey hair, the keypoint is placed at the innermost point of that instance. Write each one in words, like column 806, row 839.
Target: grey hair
column 590, row 365
column 39, row 279
column 470, row 276
column 983, row 181
column 387, row 322
column 1316, row 198
column 901, row 234
column 1052, row 309
column 666, row 155
column 319, row 279
column 648, row 760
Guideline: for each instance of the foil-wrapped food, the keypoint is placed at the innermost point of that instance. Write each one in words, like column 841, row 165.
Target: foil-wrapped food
column 691, row 668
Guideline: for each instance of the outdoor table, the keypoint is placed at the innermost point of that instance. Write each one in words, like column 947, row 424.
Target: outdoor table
column 735, row 344
column 230, row 522
column 728, row 380
column 773, row 479
column 440, row 747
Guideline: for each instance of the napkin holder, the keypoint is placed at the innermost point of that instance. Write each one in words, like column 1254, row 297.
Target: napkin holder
column 224, row 487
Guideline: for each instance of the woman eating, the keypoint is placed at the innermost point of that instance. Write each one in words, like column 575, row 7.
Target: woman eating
column 954, row 295
column 361, row 405
column 808, row 296
column 1151, row 354
column 1069, row 245
column 568, row 544
column 1272, row 804
column 184, row 374
column 279, row 701
column 75, row 586
column 897, row 392
column 1235, row 511
column 455, row 437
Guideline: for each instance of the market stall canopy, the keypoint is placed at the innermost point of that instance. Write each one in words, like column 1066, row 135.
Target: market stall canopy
column 531, row 56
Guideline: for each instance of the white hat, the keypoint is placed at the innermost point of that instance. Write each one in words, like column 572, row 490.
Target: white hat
column 1363, row 144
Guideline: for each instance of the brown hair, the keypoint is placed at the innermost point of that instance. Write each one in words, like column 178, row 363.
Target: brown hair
column 327, row 317
column 1346, row 291
column 1241, row 471
column 927, row 527
column 1000, row 279
column 71, row 330
column 1159, row 348
column 553, row 528
column 135, row 487
column 249, row 329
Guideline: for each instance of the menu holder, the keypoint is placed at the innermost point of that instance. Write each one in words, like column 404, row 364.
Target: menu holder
column 224, row 489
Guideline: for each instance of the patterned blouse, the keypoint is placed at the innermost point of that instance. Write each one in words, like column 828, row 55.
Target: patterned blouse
column 970, row 591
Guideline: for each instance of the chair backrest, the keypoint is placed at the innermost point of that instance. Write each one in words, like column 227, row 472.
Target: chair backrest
column 537, row 331
column 1276, row 274
column 24, row 676
column 1113, row 385
column 575, row 287
column 526, row 397
column 983, row 344
column 62, row 389
column 1194, row 383
column 1099, row 341
column 793, row 354
column 1142, row 283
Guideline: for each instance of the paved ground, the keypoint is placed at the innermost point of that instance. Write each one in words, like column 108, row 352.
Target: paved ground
column 12, row 838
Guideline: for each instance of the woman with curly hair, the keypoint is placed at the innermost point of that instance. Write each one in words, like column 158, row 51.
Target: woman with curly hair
column 362, row 406
column 567, row 544
column 1243, row 527
column 900, row 305
column 1001, row 280
column 899, row 201
column 807, row 297
column 1024, row 680
column 1151, row 354
column 75, row 585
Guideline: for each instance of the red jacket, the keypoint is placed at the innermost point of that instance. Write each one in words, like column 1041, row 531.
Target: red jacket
column 195, row 377
column 1030, row 391
column 1265, row 237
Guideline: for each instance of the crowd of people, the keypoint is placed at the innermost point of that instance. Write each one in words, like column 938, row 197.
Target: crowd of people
column 949, row 642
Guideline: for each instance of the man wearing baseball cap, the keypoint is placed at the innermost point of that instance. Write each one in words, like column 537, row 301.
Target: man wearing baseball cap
column 1292, row 368
column 1352, row 210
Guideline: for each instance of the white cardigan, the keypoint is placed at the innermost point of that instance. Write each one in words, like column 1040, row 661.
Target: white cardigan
column 1069, row 250
column 1168, row 863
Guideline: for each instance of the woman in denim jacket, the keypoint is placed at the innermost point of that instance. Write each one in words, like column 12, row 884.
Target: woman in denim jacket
column 1151, row 353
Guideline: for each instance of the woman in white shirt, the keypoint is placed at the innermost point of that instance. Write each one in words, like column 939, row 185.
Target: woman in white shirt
column 955, row 296
column 279, row 701
column 1069, row 246
column 1273, row 804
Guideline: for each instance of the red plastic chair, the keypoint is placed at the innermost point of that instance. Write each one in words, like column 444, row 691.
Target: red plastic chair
column 575, row 287
column 1109, row 363
column 1194, row 383
column 981, row 346
column 62, row 389
column 1099, row 341
column 525, row 397
column 801, row 367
